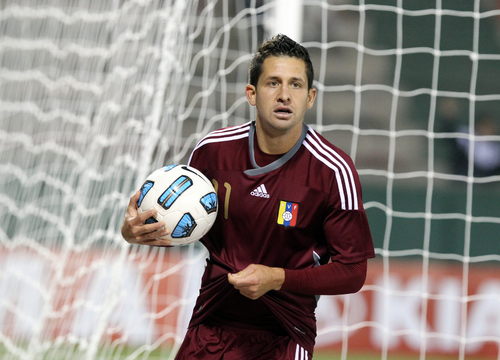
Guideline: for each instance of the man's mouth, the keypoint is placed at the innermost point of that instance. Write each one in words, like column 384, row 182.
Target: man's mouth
column 283, row 111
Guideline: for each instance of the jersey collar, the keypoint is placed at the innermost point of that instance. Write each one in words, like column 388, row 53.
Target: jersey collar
column 259, row 170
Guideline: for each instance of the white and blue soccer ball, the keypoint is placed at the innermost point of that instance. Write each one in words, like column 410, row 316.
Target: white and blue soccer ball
column 184, row 199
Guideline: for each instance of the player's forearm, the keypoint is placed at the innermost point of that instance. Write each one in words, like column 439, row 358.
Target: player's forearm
column 331, row 279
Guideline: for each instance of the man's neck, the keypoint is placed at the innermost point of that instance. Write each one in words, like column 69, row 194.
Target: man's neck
column 276, row 143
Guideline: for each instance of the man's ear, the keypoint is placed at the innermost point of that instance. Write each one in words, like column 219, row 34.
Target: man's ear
column 311, row 97
column 250, row 93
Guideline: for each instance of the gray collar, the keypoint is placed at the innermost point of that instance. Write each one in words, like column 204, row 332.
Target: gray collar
column 259, row 170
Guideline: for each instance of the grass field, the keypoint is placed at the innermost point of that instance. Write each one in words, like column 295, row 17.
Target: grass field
column 377, row 356
column 122, row 353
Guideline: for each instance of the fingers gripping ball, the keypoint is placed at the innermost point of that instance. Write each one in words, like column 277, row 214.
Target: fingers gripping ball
column 183, row 198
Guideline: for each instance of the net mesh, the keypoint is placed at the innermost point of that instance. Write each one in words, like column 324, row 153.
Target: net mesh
column 95, row 95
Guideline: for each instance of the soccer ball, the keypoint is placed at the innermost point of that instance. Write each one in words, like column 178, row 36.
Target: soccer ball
column 184, row 199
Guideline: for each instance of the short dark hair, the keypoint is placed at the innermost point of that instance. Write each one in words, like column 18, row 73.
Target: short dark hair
column 279, row 45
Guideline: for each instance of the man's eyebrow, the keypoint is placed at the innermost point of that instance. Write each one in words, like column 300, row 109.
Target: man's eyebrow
column 272, row 77
column 275, row 77
column 297, row 79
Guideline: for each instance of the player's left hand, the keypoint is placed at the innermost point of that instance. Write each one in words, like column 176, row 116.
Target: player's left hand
column 256, row 280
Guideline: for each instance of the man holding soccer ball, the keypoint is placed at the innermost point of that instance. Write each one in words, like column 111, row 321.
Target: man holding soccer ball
column 290, row 226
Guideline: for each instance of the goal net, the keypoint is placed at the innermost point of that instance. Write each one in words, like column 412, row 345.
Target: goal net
column 94, row 95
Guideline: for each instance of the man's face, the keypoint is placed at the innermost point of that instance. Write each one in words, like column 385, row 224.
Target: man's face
column 281, row 95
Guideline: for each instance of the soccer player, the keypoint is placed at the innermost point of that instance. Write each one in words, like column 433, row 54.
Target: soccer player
column 291, row 223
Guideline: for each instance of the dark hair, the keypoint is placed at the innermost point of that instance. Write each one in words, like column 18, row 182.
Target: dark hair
column 279, row 45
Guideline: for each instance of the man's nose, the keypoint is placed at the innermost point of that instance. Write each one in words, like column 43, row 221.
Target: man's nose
column 284, row 94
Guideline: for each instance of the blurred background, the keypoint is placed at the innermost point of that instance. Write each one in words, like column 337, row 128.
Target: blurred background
column 94, row 95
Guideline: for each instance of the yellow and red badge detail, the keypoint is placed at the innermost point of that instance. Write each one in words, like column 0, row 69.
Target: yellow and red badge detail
column 288, row 213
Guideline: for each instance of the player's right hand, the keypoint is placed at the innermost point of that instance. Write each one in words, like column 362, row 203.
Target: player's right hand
column 135, row 231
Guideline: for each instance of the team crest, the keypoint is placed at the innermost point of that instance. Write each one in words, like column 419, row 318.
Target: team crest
column 288, row 213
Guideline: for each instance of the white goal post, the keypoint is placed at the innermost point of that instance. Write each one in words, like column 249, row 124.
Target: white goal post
column 96, row 94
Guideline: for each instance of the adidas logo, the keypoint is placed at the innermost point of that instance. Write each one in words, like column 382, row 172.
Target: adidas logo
column 260, row 192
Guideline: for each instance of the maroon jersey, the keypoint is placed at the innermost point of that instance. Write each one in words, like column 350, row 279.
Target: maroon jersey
column 299, row 211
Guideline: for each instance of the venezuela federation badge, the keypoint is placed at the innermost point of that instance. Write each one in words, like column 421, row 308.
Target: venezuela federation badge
column 288, row 213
